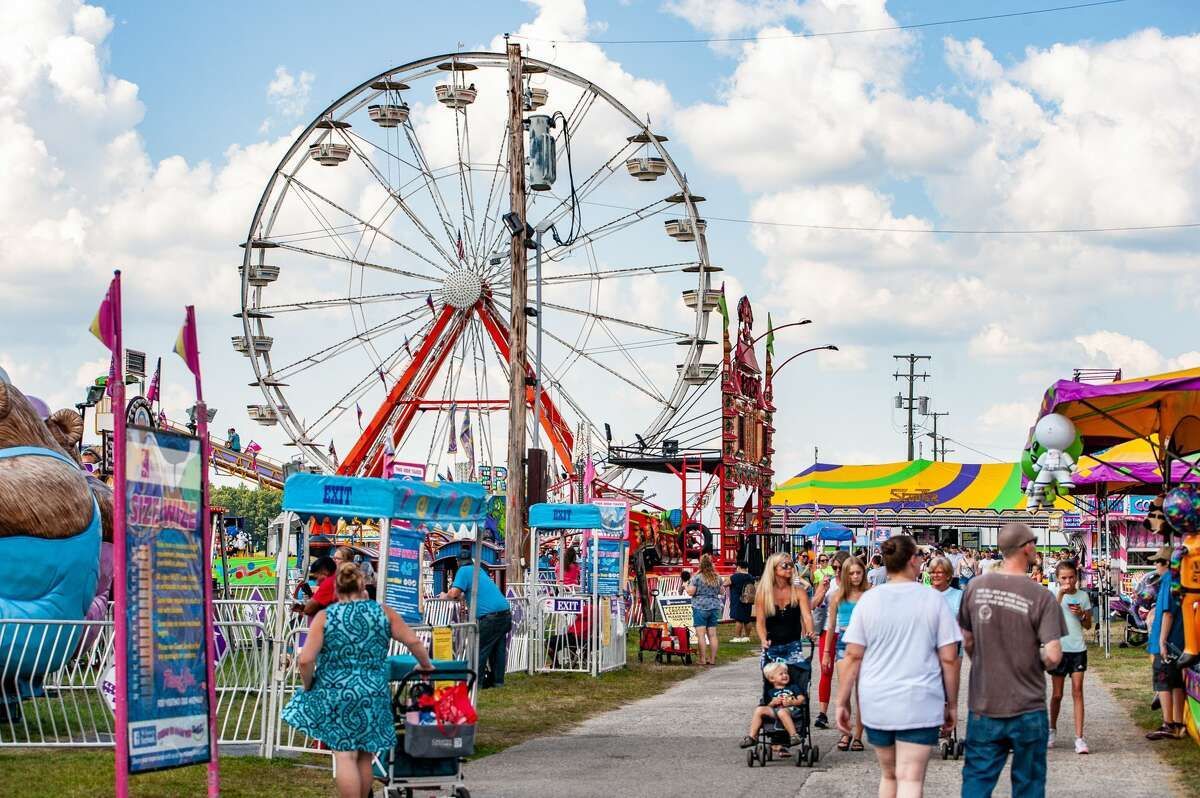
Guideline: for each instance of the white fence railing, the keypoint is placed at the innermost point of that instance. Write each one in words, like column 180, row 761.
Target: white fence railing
column 54, row 674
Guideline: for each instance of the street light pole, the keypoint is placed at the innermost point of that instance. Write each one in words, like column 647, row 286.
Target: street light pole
column 828, row 347
column 800, row 323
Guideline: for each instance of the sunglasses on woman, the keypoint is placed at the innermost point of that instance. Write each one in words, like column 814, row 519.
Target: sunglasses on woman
column 786, row 565
column 822, row 559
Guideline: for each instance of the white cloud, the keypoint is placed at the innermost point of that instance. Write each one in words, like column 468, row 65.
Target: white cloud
column 849, row 357
column 1008, row 414
column 1105, row 348
column 287, row 93
column 995, row 341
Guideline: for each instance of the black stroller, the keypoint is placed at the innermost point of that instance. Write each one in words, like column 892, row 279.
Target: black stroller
column 773, row 734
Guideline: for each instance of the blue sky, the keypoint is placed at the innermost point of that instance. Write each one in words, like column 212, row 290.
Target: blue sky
column 1068, row 119
column 200, row 67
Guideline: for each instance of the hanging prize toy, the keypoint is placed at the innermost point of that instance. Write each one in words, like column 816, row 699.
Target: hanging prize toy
column 1055, row 434
column 1182, row 509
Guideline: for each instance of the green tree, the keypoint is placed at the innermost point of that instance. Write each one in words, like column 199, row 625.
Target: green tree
column 258, row 506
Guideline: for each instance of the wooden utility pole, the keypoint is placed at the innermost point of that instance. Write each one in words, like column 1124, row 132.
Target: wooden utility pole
column 514, row 518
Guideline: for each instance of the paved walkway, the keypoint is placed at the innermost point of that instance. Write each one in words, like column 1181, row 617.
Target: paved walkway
column 684, row 742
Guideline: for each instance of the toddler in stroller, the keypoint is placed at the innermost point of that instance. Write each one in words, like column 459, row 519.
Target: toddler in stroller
column 781, row 720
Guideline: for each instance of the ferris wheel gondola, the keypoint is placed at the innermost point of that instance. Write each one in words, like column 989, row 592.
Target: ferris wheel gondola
column 375, row 274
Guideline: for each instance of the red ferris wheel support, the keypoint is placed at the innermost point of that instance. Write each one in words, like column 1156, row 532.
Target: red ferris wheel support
column 408, row 395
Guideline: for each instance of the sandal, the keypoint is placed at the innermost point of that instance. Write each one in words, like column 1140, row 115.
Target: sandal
column 748, row 742
column 844, row 743
column 1163, row 732
column 856, row 745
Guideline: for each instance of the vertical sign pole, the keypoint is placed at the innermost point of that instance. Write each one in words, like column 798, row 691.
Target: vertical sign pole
column 214, row 764
column 120, row 565
column 515, row 511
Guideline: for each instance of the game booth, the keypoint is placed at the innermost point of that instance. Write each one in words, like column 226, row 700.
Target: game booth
column 1138, row 437
column 407, row 511
column 582, row 627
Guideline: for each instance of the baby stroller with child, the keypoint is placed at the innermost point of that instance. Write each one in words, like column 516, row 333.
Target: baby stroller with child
column 773, row 735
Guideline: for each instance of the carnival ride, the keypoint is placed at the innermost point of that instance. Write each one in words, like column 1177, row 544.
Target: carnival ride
column 378, row 253
column 736, row 470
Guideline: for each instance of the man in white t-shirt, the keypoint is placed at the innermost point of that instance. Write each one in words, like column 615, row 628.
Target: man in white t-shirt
column 902, row 650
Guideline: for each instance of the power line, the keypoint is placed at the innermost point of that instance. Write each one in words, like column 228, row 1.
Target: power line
column 967, row 232
column 827, row 34
column 977, row 451
column 934, row 230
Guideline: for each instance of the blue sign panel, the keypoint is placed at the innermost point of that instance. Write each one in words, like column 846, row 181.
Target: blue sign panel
column 166, row 676
column 565, row 516
column 338, row 497
column 609, row 554
column 402, row 583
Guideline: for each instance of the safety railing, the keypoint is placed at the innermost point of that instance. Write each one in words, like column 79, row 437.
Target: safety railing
column 57, row 684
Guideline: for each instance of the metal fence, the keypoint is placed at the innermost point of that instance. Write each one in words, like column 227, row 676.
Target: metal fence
column 55, row 678
column 55, row 675
column 575, row 632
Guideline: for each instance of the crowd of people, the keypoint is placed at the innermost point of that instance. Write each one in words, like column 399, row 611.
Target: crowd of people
column 899, row 625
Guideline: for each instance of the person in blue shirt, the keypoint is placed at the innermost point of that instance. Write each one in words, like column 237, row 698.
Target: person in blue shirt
column 1166, row 641
column 234, row 441
column 495, row 621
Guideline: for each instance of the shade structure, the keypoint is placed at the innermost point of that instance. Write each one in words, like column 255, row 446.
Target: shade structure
column 826, row 530
column 915, row 485
column 1166, row 405
column 1130, row 466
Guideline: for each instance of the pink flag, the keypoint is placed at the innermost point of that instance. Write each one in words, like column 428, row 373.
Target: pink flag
column 152, row 391
column 111, row 382
column 462, row 255
column 104, row 325
column 389, row 458
column 358, row 410
column 429, row 302
column 253, row 449
column 589, row 476
column 185, row 345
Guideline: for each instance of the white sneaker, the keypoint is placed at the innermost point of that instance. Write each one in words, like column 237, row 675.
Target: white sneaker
column 1050, row 739
column 1081, row 746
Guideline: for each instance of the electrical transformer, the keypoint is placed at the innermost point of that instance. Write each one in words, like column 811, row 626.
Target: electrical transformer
column 542, row 162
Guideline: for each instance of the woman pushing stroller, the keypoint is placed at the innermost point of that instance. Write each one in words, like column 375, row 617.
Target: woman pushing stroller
column 783, row 620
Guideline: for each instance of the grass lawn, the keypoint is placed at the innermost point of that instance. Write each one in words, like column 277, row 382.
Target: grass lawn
column 1127, row 674
column 526, row 707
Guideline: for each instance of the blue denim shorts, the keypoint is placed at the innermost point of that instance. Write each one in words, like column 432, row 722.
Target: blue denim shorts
column 704, row 618
column 886, row 738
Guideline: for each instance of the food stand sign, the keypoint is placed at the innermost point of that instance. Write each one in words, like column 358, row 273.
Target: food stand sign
column 166, row 678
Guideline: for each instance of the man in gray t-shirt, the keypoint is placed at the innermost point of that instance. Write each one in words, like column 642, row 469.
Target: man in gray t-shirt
column 1011, row 630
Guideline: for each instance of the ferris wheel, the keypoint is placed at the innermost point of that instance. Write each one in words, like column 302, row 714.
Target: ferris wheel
column 375, row 281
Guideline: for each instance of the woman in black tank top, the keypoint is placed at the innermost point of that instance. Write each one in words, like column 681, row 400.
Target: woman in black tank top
column 782, row 612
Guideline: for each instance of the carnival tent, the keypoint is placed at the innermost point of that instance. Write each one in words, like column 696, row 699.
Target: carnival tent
column 825, row 530
column 1166, row 405
column 1129, row 466
column 914, row 485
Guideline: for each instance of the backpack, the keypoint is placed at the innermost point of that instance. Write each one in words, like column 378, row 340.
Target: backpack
column 748, row 591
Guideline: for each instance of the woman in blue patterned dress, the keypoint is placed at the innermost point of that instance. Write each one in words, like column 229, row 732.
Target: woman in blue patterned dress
column 346, row 703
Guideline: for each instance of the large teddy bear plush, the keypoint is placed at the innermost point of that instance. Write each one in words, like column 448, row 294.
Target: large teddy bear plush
column 50, row 536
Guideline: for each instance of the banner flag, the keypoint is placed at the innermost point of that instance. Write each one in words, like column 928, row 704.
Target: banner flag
column 152, row 391
column 724, row 308
column 104, row 325
column 185, row 345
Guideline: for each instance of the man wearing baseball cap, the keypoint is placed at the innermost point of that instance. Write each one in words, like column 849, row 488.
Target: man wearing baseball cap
column 1166, row 641
column 1012, row 629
